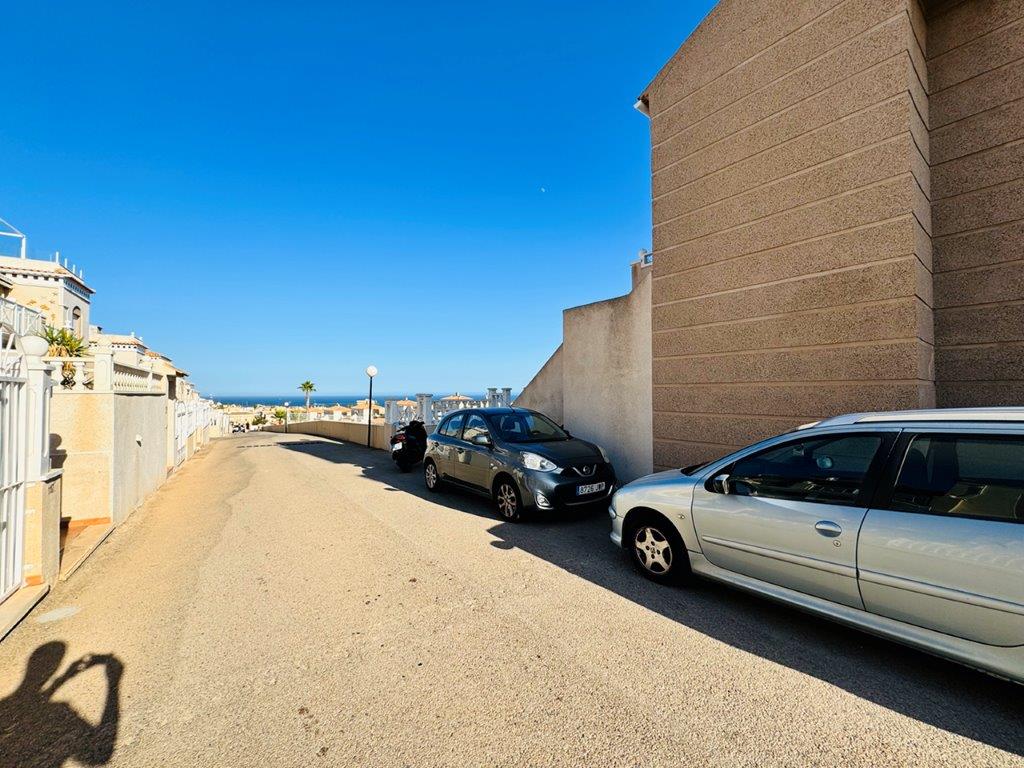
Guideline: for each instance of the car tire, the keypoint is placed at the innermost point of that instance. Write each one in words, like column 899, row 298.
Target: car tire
column 507, row 501
column 431, row 477
column 657, row 550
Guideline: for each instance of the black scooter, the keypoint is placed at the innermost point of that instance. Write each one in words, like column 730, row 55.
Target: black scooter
column 408, row 445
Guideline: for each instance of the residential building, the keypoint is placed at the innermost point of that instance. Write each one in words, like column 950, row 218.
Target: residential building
column 55, row 290
column 838, row 217
column 87, row 439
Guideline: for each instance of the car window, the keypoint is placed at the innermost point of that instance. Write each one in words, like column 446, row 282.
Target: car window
column 526, row 427
column 962, row 475
column 453, row 426
column 475, row 425
column 828, row 470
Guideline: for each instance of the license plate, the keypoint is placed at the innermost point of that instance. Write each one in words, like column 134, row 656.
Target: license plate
column 583, row 490
column 396, row 447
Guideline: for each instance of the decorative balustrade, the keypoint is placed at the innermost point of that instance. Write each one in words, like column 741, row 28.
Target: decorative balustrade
column 130, row 378
column 101, row 373
column 71, row 374
column 20, row 320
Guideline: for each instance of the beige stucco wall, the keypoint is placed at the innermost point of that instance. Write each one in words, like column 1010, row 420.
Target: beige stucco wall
column 81, row 435
column 346, row 431
column 107, row 473
column 544, row 393
column 42, row 530
column 976, row 92
column 792, row 255
column 50, row 298
column 44, row 297
column 598, row 383
column 606, row 371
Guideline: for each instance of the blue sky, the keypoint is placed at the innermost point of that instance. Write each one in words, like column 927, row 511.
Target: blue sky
column 272, row 192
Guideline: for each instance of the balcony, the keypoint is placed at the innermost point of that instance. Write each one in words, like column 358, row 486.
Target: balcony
column 19, row 320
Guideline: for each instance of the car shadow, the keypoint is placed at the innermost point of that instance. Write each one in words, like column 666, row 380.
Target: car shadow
column 926, row 688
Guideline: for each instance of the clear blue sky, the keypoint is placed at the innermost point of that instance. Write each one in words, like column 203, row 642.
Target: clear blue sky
column 255, row 187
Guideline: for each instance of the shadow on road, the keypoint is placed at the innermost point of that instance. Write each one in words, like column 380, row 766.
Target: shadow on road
column 926, row 688
column 36, row 730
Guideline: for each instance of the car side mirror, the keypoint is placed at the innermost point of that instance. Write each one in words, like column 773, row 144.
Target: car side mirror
column 483, row 440
column 720, row 484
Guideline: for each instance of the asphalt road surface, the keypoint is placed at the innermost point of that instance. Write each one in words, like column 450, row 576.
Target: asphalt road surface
column 287, row 601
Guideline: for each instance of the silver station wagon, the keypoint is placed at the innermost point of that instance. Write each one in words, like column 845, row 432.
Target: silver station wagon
column 909, row 525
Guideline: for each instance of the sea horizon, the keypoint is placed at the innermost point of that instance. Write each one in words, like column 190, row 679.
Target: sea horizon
column 299, row 399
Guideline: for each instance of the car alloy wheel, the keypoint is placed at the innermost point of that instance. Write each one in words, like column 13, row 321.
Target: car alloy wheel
column 430, row 476
column 508, row 501
column 653, row 550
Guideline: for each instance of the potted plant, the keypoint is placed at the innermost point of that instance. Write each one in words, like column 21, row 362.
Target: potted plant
column 65, row 343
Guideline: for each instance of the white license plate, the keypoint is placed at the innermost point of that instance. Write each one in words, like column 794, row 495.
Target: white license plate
column 583, row 490
column 396, row 447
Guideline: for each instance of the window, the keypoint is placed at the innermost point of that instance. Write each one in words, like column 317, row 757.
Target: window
column 826, row 470
column 526, row 427
column 453, row 426
column 962, row 475
column 475, row 425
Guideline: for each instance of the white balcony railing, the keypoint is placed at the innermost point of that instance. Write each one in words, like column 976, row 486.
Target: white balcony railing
column 20, row 320
column 129, row 378
column 100, row 373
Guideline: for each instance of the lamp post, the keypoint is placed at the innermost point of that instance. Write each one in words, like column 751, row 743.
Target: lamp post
column 371, row 371
column 286, row 404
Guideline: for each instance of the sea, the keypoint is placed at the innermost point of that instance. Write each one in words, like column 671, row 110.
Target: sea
column 317, row 399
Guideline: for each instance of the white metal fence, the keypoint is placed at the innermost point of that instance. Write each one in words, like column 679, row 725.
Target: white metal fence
column 190, row 416
column 13, row 436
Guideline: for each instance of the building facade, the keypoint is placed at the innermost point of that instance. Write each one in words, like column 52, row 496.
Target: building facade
column 838, row 211
column 55, row 290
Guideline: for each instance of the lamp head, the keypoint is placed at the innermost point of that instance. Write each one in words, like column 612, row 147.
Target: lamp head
column 371, row 371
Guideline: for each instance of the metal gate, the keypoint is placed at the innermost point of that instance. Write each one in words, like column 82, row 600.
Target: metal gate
column 181, row 432
column 13, row 470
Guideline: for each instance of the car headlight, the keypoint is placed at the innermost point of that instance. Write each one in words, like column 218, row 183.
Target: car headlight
column 534, row 461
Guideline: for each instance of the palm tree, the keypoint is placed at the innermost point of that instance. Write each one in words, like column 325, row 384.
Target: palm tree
column 308, row 387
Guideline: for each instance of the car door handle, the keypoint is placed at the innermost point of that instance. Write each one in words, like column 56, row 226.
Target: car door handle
column 828, row 528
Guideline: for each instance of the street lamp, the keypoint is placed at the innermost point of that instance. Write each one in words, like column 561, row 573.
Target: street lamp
column 286, row 404
column 371, row 371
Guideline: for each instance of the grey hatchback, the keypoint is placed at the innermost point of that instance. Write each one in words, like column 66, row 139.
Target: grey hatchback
column 518, row 457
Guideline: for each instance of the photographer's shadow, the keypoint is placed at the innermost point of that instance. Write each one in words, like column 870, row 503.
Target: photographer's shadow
column 35, row 730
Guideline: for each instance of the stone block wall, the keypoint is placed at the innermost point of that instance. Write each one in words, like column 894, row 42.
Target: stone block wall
column 837, row 209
